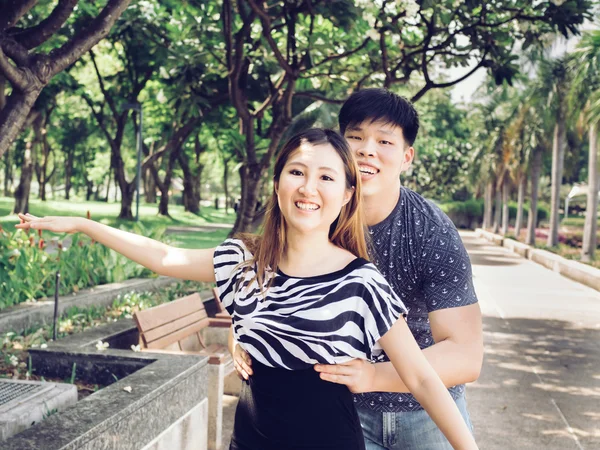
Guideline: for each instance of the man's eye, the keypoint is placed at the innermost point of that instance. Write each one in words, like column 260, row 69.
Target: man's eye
column 295, row 172
column 353, row 137
column 386, row 142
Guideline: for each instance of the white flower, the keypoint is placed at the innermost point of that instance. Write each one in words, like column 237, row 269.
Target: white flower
column 373, row 34
column 102, row 345
column 14, row 360
column 44, row 345
column 136, row 348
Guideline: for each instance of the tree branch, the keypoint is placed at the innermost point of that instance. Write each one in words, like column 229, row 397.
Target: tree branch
column 37, row 35
column 343, row 55
column 431, row 85
column 318, row 97
column 86, row 39
column 16, row 52
column 12, row 10
column 266, row 26
column 107, row 96
column 16, row 76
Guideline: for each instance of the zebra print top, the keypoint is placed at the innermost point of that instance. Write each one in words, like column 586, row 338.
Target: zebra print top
column 298, row 322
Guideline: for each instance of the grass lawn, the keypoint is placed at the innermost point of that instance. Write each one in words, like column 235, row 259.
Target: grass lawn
column 107, row 213
column 197, row 239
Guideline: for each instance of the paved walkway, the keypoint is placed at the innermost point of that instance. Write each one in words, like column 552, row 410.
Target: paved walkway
column 540, row 383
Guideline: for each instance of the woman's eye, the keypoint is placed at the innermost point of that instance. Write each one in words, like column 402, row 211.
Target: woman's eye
column 326, row 178
column 295, row 172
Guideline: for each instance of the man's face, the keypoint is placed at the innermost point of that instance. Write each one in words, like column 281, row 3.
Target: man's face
column 382, row 155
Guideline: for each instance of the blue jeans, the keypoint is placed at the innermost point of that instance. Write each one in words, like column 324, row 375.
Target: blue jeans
column 405, row 430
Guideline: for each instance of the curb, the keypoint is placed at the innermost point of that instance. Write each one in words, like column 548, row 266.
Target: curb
column 576, row 271
column 25, row 315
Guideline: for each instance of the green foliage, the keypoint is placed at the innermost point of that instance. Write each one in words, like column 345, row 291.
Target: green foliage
column 27, row 270
column 469, row 213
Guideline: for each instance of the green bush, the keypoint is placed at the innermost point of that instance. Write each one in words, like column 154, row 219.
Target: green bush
column 465, row 214
column 27, row 271
column 469, row 214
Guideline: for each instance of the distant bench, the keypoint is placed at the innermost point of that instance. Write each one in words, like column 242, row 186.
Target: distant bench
column 183, row 327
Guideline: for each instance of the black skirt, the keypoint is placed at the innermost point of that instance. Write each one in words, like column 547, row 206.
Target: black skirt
column 294, row 410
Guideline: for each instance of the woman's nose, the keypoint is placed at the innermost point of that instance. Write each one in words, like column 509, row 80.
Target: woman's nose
column 309, row 187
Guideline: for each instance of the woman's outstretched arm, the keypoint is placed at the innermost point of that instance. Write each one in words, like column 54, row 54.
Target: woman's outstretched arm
column 424, row 383
column 161, row 258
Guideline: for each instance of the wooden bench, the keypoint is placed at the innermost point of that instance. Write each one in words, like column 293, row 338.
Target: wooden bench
column 221, row 311
column 183, row 327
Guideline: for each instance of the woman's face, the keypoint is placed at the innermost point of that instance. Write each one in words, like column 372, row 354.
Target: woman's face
column 312, row 188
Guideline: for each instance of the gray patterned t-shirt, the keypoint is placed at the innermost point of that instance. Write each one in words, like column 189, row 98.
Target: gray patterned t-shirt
column 419, row 252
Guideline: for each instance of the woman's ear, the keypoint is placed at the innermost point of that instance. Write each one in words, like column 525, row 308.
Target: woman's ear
column 348, row 195
column 276, row 187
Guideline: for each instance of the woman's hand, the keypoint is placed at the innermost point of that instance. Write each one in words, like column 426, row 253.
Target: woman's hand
column 242, row 362
column 357, row 374
column 55, row 224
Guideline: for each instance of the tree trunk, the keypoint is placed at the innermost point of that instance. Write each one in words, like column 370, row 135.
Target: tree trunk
column 520, row 200
column 497, row 210
column 536, row 168
column 505, row 210
column 68, row 175
column 29, row 163
column 226, row 184
column 8, row 173
column 591, row 211
column 558, row 156
column 108, row 184
column 149, row 187
column 14, row 116
column 89, row 189
column 488, row 205
column 250, row 180
column 22, row 191
column 191, row 185
column 127, row 196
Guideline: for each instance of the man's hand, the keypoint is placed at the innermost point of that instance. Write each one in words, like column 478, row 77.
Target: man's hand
column 242, row 363
column 357, row 374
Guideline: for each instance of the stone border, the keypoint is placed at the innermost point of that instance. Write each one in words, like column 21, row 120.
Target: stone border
column 576, row 271
column 25, row 315
column 153, row 394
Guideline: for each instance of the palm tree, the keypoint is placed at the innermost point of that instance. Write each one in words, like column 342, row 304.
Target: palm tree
column 552, row 87
column 585, row 95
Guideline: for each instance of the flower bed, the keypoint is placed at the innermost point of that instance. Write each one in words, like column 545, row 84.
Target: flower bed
column 28, row 264
column 15, row 362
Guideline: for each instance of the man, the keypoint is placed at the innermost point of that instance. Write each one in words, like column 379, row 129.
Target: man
column 419, row 252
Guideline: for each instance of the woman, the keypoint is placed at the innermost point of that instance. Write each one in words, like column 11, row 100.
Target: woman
column 301, row 294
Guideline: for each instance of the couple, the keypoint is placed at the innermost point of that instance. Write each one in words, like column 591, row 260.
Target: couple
column 305, row 294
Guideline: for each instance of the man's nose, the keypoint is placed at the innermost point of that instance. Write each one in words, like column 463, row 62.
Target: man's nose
column 366, row 148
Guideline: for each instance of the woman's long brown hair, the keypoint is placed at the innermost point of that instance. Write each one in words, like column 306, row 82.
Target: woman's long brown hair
column 347, row 231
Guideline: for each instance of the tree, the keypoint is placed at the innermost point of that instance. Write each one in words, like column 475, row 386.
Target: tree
column 585, row 94
column 29, row 72
column 552, row 84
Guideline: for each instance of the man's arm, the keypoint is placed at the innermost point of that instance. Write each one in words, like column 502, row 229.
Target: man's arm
column 456, row 356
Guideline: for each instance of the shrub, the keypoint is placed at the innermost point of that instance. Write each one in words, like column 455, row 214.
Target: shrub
column 27, row 270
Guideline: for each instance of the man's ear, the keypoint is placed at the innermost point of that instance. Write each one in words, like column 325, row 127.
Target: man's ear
column 409, row 155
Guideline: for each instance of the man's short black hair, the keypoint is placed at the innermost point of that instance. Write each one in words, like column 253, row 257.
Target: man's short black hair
column 380, row 105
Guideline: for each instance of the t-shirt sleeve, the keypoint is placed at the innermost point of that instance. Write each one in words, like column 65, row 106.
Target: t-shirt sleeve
column 382, row 308
column 447, row 277
column 227, row 259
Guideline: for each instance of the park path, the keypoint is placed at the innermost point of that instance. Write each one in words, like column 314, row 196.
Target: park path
column 540, row 383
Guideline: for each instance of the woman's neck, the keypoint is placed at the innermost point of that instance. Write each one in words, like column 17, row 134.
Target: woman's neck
column 305, row 254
